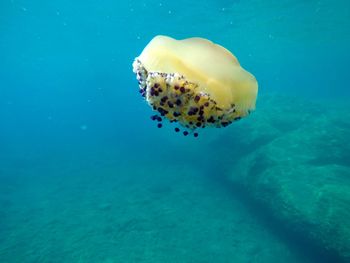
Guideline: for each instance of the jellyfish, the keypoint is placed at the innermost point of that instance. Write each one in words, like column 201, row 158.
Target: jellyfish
column 194, row 82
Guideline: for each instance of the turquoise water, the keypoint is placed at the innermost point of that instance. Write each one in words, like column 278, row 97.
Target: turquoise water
column 86, row 176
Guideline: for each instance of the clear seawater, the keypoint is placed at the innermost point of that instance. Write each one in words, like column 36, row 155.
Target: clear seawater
column 86, row 176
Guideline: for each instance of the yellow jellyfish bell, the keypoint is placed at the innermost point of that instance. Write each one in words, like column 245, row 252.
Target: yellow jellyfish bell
column 194, row 82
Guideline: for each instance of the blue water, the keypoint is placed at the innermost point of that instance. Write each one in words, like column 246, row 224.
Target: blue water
column 86, row 176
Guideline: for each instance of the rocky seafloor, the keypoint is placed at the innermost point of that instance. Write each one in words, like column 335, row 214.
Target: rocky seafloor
column 293, row 163
column 274, row 187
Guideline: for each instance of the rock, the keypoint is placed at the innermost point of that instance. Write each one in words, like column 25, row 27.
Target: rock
column 301, row 174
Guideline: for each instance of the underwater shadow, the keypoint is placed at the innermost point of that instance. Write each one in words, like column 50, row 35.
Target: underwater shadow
column 299, row 242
